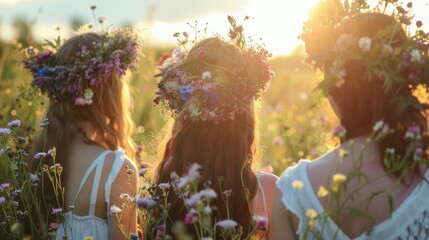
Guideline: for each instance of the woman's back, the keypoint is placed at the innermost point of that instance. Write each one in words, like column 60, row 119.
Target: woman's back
column 364, row 208
column 96, row 179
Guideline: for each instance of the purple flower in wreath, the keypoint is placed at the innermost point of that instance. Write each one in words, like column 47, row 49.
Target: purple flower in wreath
column 213, row 99
column 186, row 92
column 43, row 57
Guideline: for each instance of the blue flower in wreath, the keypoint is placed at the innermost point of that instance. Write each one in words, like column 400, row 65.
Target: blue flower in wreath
column 42, row 72
column 186, row 92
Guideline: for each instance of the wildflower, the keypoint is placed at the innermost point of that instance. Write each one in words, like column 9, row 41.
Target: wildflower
column 405, row 20
column 378, row 125
column 415, row 55
column 134, row 236
column 339, row 178
column 146, row 203
column 297, row 184
column 227, row 192
column 208, row 210
column 14, row 123
column 342, row 153
column 53, row 226
column 57, row 210
column 311, row 223
column 114, row 209
column 193, row 173
column 160, row 231
column 16, row 192
column 206, row 238
column 311, row 213
column 193, row 200
column 164, row 185
column 2, row 200
column 339, row 131
column 191, row 217
column 5, row 131
column 1, row 151
column 413, row 131
column 72, row 207
column 34, row 178
column 45, row 123
column 15, row 204
column 365, row 43
column 124, row 196
column 186, row 92
column 261, row 222
column 102, row 19
column 322, row 192
column 80, row 102
column 40, row 155
column 88, row 94
column 419, row 24
column 208, row 193
column 88, row 238
column 4, row 186
column 387, row 49
column 206, row 75
column 142, row 172
column 227, row 224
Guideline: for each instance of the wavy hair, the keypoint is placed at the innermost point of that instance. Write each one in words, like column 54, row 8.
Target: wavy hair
column 108, row 116
column 225, row 150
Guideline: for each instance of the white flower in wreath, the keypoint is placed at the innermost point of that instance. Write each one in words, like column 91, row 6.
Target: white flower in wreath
column 206, row 75
column 387, row 49
column 415, row 55
column 365, row 44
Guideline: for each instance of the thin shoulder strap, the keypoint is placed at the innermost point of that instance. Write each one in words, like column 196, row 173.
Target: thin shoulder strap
column 96, row 163
column 264, row 201
column 116, row 168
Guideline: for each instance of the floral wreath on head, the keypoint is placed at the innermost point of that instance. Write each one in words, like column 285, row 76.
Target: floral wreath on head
column 398, row 66
column 217, row 95
column 91, row 66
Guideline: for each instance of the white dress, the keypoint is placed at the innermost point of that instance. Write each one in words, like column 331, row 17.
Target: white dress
column 80, row 227
column 409, row 221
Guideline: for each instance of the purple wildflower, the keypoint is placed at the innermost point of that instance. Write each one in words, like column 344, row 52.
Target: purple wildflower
column 146, row 203
column 40, row 155
column 227, row 224
column 57, row 210
column 2, row 200
column 4, row 186
column 5, row 131
column 134, row 236
column 14, row 123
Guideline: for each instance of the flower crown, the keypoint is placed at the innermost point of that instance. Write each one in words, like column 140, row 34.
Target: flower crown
column 216, row 95
column 91, row 66
column 400, row 66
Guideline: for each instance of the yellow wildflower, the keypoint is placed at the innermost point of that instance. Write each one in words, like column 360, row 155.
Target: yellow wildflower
column 297, row 184
column 322, row 192
column 311, row 213
column 89, row 238
column 339, row 178
column 311, row 223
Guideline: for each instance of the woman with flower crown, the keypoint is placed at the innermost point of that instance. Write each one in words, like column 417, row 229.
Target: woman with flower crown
column 89, row 126
column 374, row 185
column 212, row 90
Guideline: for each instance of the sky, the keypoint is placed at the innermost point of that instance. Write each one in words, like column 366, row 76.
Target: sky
column 277, row 22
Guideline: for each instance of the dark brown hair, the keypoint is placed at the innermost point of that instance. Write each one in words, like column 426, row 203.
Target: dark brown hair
column 225, row 150
column 362, row 102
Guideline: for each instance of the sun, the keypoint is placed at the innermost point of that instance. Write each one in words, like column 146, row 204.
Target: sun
column 278, row 23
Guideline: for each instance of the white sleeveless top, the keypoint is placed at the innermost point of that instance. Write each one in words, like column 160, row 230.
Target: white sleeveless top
column 409, row 221
column 80, row 227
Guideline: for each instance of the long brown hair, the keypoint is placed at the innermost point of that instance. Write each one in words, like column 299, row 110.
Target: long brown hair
column 226, row 151
column 363, row 102
column 108, row 115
